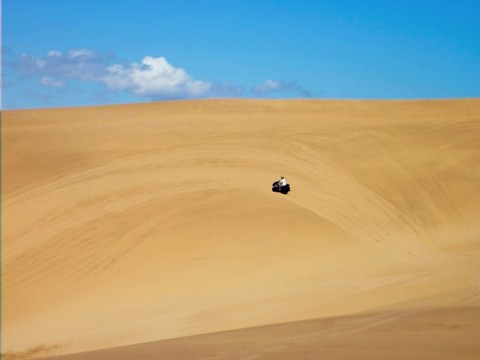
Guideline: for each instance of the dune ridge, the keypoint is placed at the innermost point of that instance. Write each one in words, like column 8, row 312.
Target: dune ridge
column 135, row 223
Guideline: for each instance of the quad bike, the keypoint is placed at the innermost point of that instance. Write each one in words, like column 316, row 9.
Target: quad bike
column 282, row 189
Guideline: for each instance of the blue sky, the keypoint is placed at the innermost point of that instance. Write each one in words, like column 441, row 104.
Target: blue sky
column 58, row 53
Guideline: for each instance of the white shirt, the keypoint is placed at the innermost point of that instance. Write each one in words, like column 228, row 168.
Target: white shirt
column 282, row 182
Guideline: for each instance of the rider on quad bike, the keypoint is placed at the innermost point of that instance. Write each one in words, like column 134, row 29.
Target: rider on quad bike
column 281, row 186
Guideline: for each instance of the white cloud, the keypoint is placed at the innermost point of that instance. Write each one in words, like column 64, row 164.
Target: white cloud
column 155, row 78
column 81, row 53
column 51, row 82
column 54, row 53
column 269, row 86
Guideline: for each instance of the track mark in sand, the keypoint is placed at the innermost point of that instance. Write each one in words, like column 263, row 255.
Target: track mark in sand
column 81, row 248
column 471, row 297
column 34, row 352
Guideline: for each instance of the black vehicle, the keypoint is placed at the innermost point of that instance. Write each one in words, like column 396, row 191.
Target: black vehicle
column 284, row 189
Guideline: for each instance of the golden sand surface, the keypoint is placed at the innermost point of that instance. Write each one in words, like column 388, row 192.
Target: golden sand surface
column 130, row 224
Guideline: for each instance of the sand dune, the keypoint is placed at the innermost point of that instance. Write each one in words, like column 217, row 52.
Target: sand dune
column 137, row 223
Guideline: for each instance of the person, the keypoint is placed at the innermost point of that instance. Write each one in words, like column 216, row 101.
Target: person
column 282, row 182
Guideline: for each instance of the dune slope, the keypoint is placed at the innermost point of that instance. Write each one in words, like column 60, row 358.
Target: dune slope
column 135, row 223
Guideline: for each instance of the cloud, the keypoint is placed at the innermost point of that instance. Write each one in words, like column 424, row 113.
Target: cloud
column 225, row 90
column 155, row 78
column 54, row 53
column 270, row 86
column 80, row 54
column 267, row 86
column 50, row 81
column 81, row 64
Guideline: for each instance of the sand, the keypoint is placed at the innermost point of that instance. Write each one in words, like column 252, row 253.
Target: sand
column 150, row 231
